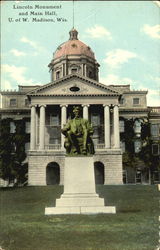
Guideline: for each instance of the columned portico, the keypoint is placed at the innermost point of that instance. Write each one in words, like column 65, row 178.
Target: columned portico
column 42, row 128
column 116, row 127
column 40, row 123
column 63, row 122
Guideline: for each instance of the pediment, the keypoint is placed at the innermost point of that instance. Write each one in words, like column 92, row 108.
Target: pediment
column 73, row 85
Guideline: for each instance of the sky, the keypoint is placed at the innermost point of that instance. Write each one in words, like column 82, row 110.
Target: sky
column 124, row 35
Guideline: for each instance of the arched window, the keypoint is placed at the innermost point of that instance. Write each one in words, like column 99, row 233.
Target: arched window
column 99, row 172
column 52, row 173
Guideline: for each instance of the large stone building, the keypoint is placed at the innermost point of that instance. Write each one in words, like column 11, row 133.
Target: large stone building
column 75, row 81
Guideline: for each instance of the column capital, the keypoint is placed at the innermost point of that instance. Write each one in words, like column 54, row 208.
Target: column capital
column 85, row 105
column 116, row 105
column 63, row 105
column 33, row 105
column 106, row 105
column 42, row 105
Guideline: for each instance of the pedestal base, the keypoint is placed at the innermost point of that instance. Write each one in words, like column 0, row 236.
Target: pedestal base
column 79, row 195
column 79, row 210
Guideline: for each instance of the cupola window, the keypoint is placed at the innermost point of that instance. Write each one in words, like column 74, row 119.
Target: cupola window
column 90, row 74
column 57, row 74
column 74, row 70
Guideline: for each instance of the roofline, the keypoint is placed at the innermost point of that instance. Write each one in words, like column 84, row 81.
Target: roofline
column 29, row 86
column 78, row 76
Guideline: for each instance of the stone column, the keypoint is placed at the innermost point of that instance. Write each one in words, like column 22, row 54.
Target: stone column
column 85, row 70
column 116, row 126
column 85, row 111
column 82, row 67
column 37, row 127
column 107, row 134
column 63, row 122
column 42, row 128
column 33, row 128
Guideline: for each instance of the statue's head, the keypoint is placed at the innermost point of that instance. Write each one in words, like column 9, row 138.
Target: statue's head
column 76, row 111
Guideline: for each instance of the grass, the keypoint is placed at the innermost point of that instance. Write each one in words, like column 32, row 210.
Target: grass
column 25, row 227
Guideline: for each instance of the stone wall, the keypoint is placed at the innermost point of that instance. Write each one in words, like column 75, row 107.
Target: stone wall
column 38, row 161
column 112, row 161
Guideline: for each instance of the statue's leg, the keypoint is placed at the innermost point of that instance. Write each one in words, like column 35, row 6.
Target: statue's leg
column 84, row 142
column 73, row 141
column 67, row 145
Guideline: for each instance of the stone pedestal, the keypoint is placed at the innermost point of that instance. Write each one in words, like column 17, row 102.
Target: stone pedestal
column 79, row 195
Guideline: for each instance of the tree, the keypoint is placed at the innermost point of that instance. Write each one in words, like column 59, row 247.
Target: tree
column 12, row 152
column 6, row 151
column 152, row 162
column 129, row 159
column 20, row 138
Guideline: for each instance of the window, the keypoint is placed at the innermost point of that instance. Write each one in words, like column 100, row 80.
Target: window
column 137, row 146
column 95, row 119
column 54, row 120
column 122, row 146
column 13, row 102
column 156, row 177
column 90, row 74
column 27, row 127
column 155, row 149
column 26, row 102
column 57, row 74
column 12, row 127
column 138, row 177
column 122, row 101
column 121, row 126
column 137, row 126
column 27, row 147
column 74, row 89
column 125, row 176
column 136, row 101
column 155, row 129
column 73, row 70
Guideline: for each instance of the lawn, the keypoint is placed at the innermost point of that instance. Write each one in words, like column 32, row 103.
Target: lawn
column 25, row 227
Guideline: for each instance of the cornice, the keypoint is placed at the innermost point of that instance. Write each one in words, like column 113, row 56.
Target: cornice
column 72, row 95
column 14, row 110
column 134, row 110
column 72, row 76
column 12, row 93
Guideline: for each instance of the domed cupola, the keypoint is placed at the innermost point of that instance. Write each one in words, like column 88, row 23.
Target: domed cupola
column 73, row 57
column 73, row 34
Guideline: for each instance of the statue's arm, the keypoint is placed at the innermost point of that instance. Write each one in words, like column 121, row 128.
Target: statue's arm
column 90, row 128
column 66, row 128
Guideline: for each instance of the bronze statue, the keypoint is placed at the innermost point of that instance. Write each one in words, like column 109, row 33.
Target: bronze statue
column 78, row 132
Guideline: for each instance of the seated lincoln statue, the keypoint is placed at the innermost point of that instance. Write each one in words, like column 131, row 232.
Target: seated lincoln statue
column 78, row 132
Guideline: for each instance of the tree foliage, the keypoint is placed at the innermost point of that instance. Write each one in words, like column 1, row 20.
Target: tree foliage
column 12, row 151
column 151, row 161
column 6, row 151
column 129, row 159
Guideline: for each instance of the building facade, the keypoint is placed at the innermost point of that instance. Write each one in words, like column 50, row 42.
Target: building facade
column 75, row 81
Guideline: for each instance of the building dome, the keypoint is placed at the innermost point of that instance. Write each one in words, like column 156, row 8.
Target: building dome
column 73, row 57
column 73, row 47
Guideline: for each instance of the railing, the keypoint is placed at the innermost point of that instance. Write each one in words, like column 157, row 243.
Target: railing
column 155, row 110
column 58, row 146
column 53, row 147
column 99, row 146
